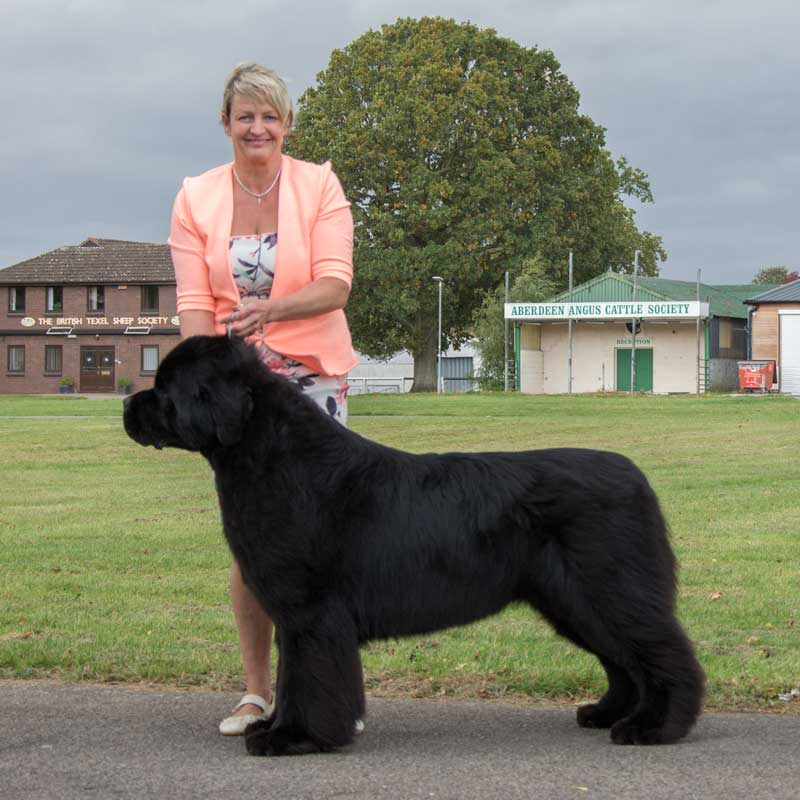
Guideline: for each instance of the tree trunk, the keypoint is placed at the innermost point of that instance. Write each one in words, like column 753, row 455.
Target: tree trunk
column 425, row 369
column 425, row 351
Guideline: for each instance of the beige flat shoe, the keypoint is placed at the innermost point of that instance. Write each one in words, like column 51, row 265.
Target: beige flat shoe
column 235, row 724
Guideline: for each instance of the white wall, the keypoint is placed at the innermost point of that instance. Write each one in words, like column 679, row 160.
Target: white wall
column 395, row 374
column 594, row 359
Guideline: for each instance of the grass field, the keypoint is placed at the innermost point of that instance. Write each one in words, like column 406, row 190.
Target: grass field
column 113, row 567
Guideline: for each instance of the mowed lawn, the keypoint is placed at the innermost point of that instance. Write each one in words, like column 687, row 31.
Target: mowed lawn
column 113, row 566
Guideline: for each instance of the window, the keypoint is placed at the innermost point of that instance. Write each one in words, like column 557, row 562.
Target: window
column 149, row 299
column 149, row 358
column 97, row 298
column 16, row 299
column 52, row 359
column 725, row 334
column 55, row 299
column 16, row 358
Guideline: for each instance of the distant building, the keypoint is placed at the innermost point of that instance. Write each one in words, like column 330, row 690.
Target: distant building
column 396, row 374
column 97, row 312
column 775, row 326
column 682, row 345
column 104, row 310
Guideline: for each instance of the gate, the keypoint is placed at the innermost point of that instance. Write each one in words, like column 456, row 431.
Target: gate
column 457, row 374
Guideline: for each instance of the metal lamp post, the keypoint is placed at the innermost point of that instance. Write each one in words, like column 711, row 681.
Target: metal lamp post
column 440, row 281
column 569, row 332
column 633, row 321
column 505, row 334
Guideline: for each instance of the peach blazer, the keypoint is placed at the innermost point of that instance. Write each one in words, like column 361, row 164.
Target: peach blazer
column 315, row 240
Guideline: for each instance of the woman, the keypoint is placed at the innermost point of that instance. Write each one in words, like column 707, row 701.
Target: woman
column 262, row 249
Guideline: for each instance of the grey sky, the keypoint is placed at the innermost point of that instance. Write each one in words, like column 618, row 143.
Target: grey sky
column 109, row 104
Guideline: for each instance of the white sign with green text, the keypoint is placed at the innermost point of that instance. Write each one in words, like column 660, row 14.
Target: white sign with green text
column 662, row 309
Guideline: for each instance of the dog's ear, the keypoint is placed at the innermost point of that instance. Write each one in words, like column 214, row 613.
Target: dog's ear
column 212, row 400
column 216, row 414
column 193, row 424
column 230, row 404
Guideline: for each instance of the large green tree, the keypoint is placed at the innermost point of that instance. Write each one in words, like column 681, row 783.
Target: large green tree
column 463, row 153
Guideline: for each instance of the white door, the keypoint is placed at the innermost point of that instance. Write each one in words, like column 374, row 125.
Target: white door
column 790, row 352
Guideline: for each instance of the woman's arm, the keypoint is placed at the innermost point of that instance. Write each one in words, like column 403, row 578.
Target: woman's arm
column 193, row 290
column 196, row 323
column 315, row 298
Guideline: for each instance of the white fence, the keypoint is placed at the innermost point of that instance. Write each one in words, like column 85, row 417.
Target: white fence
column 364, row 384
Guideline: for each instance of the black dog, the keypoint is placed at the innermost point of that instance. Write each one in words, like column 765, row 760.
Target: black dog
column 343, row 541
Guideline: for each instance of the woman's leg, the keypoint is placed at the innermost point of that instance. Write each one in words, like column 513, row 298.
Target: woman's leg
column 255, row 640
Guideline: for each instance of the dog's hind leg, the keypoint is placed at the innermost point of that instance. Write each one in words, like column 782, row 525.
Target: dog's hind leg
column 655, row 683
column 619, row 701
column 622, row 695
column 319, row 693
column 671, row 685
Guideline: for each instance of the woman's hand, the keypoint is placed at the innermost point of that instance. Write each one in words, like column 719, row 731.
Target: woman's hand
column 247, row 317
column 318, row 297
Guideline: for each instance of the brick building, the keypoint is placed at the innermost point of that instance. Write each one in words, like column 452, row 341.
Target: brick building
column 99, row 313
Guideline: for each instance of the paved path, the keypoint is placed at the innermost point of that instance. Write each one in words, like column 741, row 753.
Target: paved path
column 89, row 742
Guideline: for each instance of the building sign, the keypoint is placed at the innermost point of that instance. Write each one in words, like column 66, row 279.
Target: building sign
column 546, row 312
column 98, row 322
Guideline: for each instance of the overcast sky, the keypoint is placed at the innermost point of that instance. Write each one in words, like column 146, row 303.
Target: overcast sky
column 109, row 104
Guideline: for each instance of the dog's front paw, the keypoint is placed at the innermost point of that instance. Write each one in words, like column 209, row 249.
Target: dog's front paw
column 261, row 738
column 257, row 737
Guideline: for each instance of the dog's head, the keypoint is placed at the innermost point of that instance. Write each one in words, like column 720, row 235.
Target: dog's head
column 201, row 399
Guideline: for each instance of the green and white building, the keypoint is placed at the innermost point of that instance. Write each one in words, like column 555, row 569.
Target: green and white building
column 681, row 344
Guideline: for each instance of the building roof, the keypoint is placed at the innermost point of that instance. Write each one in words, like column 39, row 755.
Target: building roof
column 724, row 301
column 94, row 261
column 787, row 293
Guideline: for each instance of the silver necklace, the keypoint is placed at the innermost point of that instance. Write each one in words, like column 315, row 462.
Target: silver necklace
column 253, row 194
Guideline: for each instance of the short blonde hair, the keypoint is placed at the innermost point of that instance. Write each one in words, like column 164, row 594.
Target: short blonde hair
column 250, row 79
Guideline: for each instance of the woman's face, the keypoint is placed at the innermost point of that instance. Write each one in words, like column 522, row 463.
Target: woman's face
column 256, row 130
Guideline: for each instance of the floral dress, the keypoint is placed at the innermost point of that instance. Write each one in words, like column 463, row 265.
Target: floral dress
column 253, row 266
